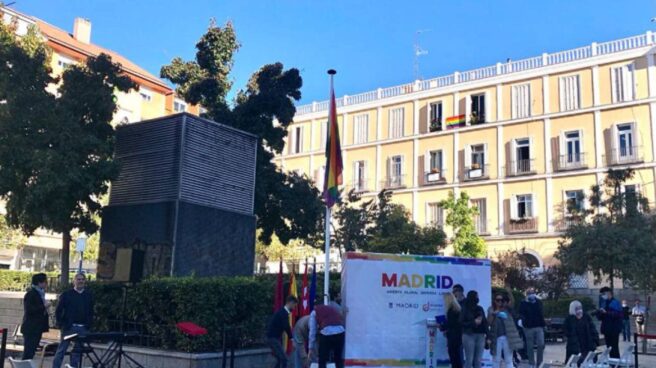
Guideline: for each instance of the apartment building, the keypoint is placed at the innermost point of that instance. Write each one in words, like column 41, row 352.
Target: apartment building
column 525, row 139
column 153, row 99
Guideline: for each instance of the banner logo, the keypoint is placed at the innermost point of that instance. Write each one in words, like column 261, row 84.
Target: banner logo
column 416, row 281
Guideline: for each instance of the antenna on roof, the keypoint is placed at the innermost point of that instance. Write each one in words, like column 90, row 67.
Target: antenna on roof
column 418, row 52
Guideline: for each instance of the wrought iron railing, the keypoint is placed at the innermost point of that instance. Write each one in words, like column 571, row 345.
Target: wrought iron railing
column 572, row 161
column 521, row 167
column 525, row 225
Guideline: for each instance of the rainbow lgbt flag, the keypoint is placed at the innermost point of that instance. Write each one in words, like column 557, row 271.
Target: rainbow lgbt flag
column 455, row 121
column 334, row 163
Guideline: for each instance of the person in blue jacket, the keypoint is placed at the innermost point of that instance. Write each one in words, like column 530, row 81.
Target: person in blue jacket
column 610, row 314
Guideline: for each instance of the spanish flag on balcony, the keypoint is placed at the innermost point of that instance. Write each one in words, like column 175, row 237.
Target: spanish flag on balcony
column 334, row 164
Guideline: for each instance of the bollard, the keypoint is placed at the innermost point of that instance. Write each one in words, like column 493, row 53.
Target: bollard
column 635, row 348
column 3, row 346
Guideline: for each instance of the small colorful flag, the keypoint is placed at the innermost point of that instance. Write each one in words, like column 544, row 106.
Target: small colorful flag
column 305, row 294
column 292, row 316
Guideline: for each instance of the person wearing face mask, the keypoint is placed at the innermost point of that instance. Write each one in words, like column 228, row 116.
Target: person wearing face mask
column 503, row 337
column 474, row 326
column 580, row 331
column 531, row 317
column 610, row 315
column 626, row 321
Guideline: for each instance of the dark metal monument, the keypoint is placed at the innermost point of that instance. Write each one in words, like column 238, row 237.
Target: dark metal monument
column 183, row 202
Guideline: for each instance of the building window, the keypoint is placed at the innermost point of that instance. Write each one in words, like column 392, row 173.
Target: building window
column 522, row 207
column 476, row 161
column 434, row 215
column 480, row 220
column 179, row 106
column 521, row 101
column 571, row 149
column 396, row 122
column 320, row 176
column 477, row 109
column 522, row 154
column 574, row 201
column 395, row 172
column 359, row 176
column 146, row 94
column 435, row 117
column 296, row 140
column 64, row 62
column 569, row 93
column 434, row 166
column 360, row 129
column 622, row 83
column 624, row 144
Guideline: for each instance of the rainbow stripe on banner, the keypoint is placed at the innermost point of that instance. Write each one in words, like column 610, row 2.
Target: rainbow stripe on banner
column 456, row 121
column 413, row 258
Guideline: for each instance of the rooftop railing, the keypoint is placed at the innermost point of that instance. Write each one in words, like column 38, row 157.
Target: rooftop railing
column 586, row 52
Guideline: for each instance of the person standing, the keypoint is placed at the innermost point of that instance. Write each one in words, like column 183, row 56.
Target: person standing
column 610, row 315
column 327, row 322
column 580, row 332
column 301, row 339
column 626, row 321
column 35, row 317
column 531, row 316
column 639, row 314
column 474, row 330
column 74, row 315
column 459, row 292
column 278, row 324
column 453, row 330
column 504, row 337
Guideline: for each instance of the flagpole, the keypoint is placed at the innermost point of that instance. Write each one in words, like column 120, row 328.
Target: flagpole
column 326, row 271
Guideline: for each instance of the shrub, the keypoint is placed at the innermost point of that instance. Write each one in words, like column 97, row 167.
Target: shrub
column 241, row 305
column 19, row 280
column 560, row 307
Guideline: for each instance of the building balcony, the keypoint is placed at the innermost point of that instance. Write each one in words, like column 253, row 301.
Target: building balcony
column 360, row 186
column 625, row 156
column 523, row 225
column 435, row 126
column 566, row 222
column 394, row 182
column 574, row 161
column 477, row 118
column 522, row 167
column 477, row 172
column 434, row 177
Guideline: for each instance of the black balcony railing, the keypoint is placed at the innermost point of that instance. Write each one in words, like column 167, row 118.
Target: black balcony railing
column 521, row 167
column 567, row 221
column 524, row 225
column 625, row 155
column 477, row 172
column 360, row 186
column 572, row 161
column 394, row 182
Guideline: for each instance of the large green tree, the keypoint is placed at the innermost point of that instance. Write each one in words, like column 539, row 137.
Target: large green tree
column 56, row 149
column 460, row 216
column 286, row 205
column 383, row 227
column 616, row 238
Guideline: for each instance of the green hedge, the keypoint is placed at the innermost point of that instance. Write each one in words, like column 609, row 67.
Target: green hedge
column 153, row 307
column 18, row 280
column 560, row 307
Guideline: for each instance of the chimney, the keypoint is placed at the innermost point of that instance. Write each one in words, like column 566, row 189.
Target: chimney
column 82, row 30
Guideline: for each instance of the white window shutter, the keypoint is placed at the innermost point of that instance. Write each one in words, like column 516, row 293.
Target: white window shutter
column 514, row 101
column 563, row 194
column 488, row 112
column 355, row 173
column 577, row 92
column 300, row 140
column 637, row 138
column 586, row 201
column 627, row 82
column 390, row 123
column 562, row 88
column 486, row 158
column 365, row 133
column 513, row 207
column 468, row 111
column 402, row 122
column 614, row 76
column 427, row 162
column 582, row 145
column 468, row 158
column 513, row 156
column 527, row 99
column 534, row 206
column 562, row 148
column 444, row 164
column 402, row 165
column 531, row 149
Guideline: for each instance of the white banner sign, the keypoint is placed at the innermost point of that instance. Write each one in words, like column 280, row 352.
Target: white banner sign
column 389, row 299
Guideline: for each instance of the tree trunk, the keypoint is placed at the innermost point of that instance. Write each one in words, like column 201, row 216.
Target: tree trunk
column 65, row 257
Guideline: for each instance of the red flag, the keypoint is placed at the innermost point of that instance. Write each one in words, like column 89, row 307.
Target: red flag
column 278, row 300
column 305, row 294
column 334, row 164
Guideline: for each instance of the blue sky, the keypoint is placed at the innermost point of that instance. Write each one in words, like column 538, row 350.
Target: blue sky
column 370, row 43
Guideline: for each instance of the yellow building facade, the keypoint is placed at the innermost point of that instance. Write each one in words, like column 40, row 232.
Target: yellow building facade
column 525, row 139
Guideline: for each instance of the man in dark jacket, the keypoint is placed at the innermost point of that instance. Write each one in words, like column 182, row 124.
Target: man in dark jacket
column 610, row 315
column 74, row 316
column 35, row 319
column 532, row 321
column 280, row 323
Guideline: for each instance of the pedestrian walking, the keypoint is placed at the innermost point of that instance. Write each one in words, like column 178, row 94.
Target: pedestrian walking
column 474, row 326
column 452, row 329
column 278, row 324
column 610, row 315
column 580, row 332
column 74, row 315
column 626, row 321
column 639, row 314
column 504, row 339
column 35, row 316
column 531, row 319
